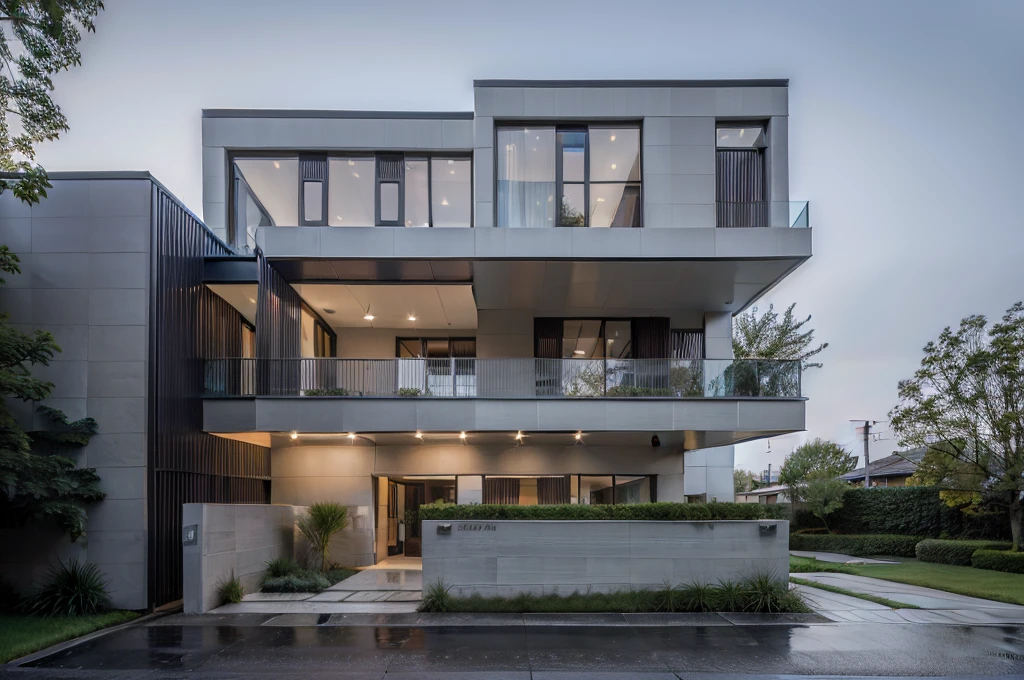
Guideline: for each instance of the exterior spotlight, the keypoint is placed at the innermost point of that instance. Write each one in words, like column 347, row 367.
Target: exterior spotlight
column 419, row 435
column 578, row 436
column 462, row 436
column 655, row 441
column 519, row 436
column 351, row 435
column 294, row 434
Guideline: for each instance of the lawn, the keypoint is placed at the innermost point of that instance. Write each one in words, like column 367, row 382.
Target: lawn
column 21, row 635
column 990, row 585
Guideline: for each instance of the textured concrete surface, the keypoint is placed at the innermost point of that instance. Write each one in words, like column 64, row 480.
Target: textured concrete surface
column 505, row 558
column 223, row 647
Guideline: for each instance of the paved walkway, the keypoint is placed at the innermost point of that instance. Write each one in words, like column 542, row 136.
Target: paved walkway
column 936, row 606
column 840, row 559
column 392, row 586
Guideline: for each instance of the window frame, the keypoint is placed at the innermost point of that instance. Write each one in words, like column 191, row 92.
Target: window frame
column 585, row 127
column 238, row 237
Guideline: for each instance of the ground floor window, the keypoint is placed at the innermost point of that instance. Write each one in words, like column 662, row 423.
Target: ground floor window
column 568, row 489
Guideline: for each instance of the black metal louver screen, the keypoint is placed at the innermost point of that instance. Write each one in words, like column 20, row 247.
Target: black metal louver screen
column 740, row 188
column 278, row 332
column 313, row 169
column 188, row 323
column 389, row 168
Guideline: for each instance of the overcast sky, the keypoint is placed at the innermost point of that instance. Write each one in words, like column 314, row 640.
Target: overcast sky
column 905, row 129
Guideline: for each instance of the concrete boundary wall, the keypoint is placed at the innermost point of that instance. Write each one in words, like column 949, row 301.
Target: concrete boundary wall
column 232, row 539
column 505, row 558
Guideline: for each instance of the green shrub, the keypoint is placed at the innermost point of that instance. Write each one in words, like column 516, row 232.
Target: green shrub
column 280, row 566
column 327, row 392
column 999, row 560
column 408, row 391
column 856, row 544
column 763, row 593
column 909, row 511
column 72, row 589
column 230, row 590
column 321, row 521
column 303, row 581
column 955, row 552
column 667, row 512
column 635, row 391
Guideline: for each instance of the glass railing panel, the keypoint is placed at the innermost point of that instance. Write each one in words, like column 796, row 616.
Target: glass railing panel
column 752, row 214
column 512, row 378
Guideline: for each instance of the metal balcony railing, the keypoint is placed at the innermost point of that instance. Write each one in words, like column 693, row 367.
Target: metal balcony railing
column 521, row 378
column 740, row 215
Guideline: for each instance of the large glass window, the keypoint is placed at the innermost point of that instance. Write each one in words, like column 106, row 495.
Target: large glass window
column 614, row 489
column 417, row 192
column 451, row 182
column 266, row 192
column 594, row 172
column 597, row 339
column 350, row 192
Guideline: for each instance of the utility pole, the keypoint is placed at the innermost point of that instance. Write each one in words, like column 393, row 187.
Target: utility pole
column 867, row 455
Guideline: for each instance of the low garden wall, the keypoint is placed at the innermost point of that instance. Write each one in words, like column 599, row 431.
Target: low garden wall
column 221, row 541
column 509, row 557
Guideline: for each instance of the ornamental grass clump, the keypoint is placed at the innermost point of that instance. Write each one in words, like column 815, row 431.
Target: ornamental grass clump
column 318, row 525
column 72, row 589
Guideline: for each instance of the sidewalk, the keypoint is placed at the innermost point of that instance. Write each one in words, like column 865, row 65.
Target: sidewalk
column 936, row 606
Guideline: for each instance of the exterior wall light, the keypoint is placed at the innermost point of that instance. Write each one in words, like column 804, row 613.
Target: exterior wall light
column 419, row 435
column 351, row 435
column 294, row 434
column 462, row 436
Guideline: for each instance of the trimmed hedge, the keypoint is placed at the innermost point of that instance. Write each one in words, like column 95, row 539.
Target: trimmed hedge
column 667, row 512
column 910, row 511
column 955, row 552
column 856, row 544
column 998, row 560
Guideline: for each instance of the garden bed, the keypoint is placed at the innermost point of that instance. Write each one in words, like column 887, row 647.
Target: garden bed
column 284, row 575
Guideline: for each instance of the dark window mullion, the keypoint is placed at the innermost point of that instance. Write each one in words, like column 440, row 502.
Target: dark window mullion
column 559, row 183
column 430, row 192
column 586, row 184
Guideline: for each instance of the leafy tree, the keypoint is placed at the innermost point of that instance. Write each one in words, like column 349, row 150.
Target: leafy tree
column 38, row 481
column 960, row 483
column 45, row 34
column 823, row 495
column 743, row 480
column 818, row 459
column 768, row 337
column 968, row 394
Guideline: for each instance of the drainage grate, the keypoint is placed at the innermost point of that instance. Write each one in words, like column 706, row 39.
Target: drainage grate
column 1012, row 656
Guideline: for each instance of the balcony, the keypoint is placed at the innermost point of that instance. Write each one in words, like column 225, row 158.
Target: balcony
column 513, row 378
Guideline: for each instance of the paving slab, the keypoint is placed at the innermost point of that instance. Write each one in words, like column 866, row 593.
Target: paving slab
column 276, row 597
column 330, row 596
column 382, row 579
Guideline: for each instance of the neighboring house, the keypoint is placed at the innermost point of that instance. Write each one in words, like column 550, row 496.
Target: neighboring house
column 768, row 495
column 893, row 470
column 390, row 308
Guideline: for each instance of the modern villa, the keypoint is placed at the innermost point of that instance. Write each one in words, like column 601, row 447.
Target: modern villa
column 526, row 303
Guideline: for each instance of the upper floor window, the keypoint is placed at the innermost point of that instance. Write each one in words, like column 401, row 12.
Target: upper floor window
column 740, row 179
column 386, row 189
column 568, row 176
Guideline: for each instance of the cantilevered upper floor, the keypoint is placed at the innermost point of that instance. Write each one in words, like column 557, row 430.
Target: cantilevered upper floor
column 538, row 170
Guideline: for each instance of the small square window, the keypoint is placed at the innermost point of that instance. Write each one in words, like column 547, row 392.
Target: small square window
column 389, row 202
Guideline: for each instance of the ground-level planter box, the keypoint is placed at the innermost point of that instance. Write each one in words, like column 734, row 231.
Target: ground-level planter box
column 508, row 557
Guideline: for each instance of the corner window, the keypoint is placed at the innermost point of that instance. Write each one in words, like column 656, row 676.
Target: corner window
column 266, row 194
column 578, row 176
column 740, row 180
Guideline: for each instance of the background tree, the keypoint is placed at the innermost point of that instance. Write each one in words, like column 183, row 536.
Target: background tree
column 38, row 39
column 823, row 496
column 960, row 482
column 38, row 481
column 769, row 337
column 818, row 459
column 968, row 395
column 743, row 480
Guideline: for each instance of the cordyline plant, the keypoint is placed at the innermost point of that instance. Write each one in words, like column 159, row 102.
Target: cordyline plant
column 967, row 402
column 38, row 39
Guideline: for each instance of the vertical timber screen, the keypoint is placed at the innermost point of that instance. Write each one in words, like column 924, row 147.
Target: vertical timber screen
column 188, row 323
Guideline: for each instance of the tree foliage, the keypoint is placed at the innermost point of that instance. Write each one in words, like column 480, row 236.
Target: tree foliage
column 769, row 337
column 968, row 396
column 38, row 479
column 38, row 39
column 818, row 459
column 823, row 496
column 743, row 480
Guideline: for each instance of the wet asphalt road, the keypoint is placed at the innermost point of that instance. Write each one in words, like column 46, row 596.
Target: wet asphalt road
column 536, row 652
